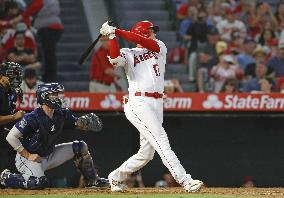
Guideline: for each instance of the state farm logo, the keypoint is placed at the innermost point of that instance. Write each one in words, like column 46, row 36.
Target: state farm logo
column 177, row 103
column 211, row 102
column 29, row 102
column 110, row 101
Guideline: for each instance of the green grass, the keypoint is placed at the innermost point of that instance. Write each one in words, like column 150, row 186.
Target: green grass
column 132, row 196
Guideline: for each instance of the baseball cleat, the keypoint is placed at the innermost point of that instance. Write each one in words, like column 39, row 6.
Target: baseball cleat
column 116, row 186
column 4, row 175
column 193, row 186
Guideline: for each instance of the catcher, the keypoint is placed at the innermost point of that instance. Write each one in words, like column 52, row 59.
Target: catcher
column 34, row 140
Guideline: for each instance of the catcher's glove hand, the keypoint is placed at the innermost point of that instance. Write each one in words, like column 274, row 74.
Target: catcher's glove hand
column 89, row 122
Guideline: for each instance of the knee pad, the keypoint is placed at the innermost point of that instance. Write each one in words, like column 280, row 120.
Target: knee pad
column 80, row 148
column 37, row 182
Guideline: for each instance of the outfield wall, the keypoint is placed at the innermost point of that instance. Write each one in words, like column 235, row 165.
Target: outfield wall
column 218, row 148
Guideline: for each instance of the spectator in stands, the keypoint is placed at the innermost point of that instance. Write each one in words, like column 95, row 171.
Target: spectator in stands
column 182, row 11
column 277, row 62
column 49, row 26
column 266, row 85
column 262, row 17
column 30, row 81
column 225, row 69
column 246, row 57
column 236, row 46
column 253, row 84
column 102, row 73
column 279, row 15
column 9, row 37
column 248, row 11
column 187, row 21
column 260, row 55
column 248, row 182
column 12, row 9
column 207, row 57
column 172, row 86
column 196, row 33
column 273, row 48
column 24, row 56
column 229, row 24
column 230, row 86
column 215, row 11
column 135, row 180
column 266, row 36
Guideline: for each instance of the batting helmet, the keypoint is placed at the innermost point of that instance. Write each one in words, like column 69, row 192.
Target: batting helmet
column 144, row 28
column 13, row 71
column 44, row 95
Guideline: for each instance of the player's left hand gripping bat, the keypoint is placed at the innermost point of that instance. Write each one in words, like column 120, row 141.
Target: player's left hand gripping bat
column 87, row 51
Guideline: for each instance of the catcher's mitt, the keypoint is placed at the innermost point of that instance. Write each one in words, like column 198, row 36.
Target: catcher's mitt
column 89, row 122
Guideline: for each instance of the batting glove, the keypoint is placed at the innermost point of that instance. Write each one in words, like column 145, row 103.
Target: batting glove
column 108, row 30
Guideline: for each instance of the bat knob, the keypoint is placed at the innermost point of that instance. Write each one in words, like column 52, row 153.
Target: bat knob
column 111, row 23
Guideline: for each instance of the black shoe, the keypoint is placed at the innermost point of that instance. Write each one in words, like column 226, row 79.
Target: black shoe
column 3, row 176
column 99, row 183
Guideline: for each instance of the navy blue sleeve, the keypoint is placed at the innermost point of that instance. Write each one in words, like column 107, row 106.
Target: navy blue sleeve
column 25, row 124
column 70, row 119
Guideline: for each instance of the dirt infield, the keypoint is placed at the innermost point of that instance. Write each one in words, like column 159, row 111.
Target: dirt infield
column 255, row 192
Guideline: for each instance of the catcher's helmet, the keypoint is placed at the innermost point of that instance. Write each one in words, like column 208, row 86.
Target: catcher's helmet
column 44, row 95
column 144, row 28
column 13, row 71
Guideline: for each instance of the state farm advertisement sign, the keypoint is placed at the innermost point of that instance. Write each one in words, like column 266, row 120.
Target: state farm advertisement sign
column 84, row 101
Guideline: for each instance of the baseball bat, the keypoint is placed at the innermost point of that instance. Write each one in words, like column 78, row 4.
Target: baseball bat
column 87, row 51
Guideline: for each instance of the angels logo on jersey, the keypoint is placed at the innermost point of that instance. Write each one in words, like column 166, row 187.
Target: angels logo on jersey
column 144, row 57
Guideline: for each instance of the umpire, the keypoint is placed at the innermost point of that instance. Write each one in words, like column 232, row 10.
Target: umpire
column 10, row 80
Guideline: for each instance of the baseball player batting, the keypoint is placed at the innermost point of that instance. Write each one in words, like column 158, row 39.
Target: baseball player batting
column 145, row 68
column 34, row 140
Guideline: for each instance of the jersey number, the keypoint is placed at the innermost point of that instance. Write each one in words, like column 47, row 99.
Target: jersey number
column 156, row 69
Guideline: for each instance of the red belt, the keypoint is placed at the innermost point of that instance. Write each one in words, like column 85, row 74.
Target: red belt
column 155, row 95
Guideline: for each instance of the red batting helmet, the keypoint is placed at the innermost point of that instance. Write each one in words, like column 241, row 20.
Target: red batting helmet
column 143, row 28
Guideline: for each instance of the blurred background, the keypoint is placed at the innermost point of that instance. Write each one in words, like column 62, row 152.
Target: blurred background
column 224, row 81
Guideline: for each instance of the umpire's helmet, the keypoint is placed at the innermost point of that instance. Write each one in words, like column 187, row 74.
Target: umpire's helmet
column 144, row 28
column 50, row 94
column 13, row 71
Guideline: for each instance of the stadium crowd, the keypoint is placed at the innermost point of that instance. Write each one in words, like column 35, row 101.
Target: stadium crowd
column 23, row 26
column 231, row 45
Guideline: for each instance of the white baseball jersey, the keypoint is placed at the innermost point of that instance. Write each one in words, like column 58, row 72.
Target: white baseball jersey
column 145, row 69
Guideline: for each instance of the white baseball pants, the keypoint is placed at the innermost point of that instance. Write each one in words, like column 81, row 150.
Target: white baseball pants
column 146, row 114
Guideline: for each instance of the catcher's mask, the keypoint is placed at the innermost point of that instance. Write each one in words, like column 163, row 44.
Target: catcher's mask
column 13, row 71
column 51, row 94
